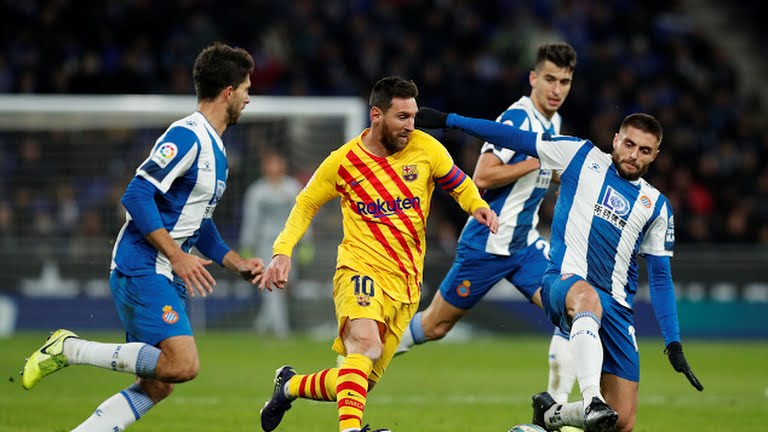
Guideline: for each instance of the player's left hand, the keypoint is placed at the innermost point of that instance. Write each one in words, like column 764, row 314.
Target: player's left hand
column 676, row 357
column 276, row 273
column 252, row 270
column 487, row 217
column 430, row 118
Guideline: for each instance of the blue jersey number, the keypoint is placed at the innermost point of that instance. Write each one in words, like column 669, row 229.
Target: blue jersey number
column 363, row 285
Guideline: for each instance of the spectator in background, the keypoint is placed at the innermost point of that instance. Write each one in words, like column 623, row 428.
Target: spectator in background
column 266, row 205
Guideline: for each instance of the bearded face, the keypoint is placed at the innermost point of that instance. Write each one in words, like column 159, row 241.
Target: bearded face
column 397, row 123
column 633, row 152
column 393, row 142
column 237, row 102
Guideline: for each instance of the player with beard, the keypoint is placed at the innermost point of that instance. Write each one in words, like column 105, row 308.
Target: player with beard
column 385, row 178
column 606, row 215
column 170, row 204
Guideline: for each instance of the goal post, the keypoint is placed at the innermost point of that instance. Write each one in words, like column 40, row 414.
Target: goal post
column 68, row 112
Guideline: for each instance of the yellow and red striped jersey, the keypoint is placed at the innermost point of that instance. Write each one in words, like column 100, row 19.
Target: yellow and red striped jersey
column 385, row 202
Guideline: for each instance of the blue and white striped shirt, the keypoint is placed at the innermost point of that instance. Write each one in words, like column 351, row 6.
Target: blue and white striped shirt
column 188, row 168
column 602, row 221
column 516, row 204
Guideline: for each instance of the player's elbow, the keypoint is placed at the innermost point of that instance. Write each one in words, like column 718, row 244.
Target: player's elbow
column 482, row 183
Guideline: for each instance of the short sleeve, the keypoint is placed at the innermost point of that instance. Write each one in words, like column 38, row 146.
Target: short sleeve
column 172, row 156
column 659, row 240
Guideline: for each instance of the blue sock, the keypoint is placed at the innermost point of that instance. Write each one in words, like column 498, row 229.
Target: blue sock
column 417, row 331
column 138, row 400
column 147, row 361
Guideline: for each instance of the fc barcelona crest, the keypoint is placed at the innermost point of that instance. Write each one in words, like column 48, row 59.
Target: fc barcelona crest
column 410, row 172
column 363, row 300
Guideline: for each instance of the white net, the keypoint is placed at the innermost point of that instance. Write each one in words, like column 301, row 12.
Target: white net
column 67, row 159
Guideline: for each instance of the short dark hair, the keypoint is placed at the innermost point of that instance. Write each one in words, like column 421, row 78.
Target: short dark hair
column 559, row 53
column 644, row 122
column 219, row 66
column 391, row 87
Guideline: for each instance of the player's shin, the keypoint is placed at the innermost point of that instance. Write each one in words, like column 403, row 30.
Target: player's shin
column 352, row 390
column 118, row 412
column 134, row 358
column 587, row 351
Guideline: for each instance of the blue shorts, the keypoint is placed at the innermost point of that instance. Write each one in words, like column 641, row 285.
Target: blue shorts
column 617, row 331
column 152, row 308
column 473, row 273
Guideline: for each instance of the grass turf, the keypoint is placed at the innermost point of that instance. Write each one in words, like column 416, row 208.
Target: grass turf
column 480, row 386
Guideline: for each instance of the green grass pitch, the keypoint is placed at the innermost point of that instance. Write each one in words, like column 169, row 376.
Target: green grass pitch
column 479, row 386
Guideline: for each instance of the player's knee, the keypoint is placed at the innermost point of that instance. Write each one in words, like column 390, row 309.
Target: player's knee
column 178, row 372
column 188, row 373
column 374, row 351
column 585, row 298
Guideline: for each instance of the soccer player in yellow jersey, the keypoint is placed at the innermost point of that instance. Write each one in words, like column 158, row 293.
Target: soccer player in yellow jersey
column 385, row 178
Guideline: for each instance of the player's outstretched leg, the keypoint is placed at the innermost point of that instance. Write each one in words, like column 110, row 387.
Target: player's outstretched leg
column 275, row 408
column 599, row 417
column 48, row 359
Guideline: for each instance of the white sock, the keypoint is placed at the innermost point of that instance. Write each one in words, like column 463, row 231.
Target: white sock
column 118, row 412
column 569, row 414
column 561, row 378
column 587, row 351
column 134, row 358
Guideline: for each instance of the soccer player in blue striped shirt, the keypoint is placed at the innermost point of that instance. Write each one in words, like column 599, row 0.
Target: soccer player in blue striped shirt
column 170, row 204
column 514, row 186
column 606, row 215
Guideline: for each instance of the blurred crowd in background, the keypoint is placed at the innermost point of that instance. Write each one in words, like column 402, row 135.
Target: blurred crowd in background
column 466, row 56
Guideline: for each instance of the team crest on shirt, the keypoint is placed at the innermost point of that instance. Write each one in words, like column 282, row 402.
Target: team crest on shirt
column 165, row 154
column 169, row 315
column 410, row 172
column 462, row 289
column 363, row 300
column 647, row 203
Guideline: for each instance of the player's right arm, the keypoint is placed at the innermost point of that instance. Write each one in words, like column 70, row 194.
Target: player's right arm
column 493, row 168
column 139, row 202
column 320, row 189
column 555, row 152
column 491, row 172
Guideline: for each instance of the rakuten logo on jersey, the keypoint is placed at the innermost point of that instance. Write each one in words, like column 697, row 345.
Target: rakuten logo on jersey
column 381, row 208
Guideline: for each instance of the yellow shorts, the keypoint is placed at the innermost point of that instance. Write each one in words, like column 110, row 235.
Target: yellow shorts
column 361, row 296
